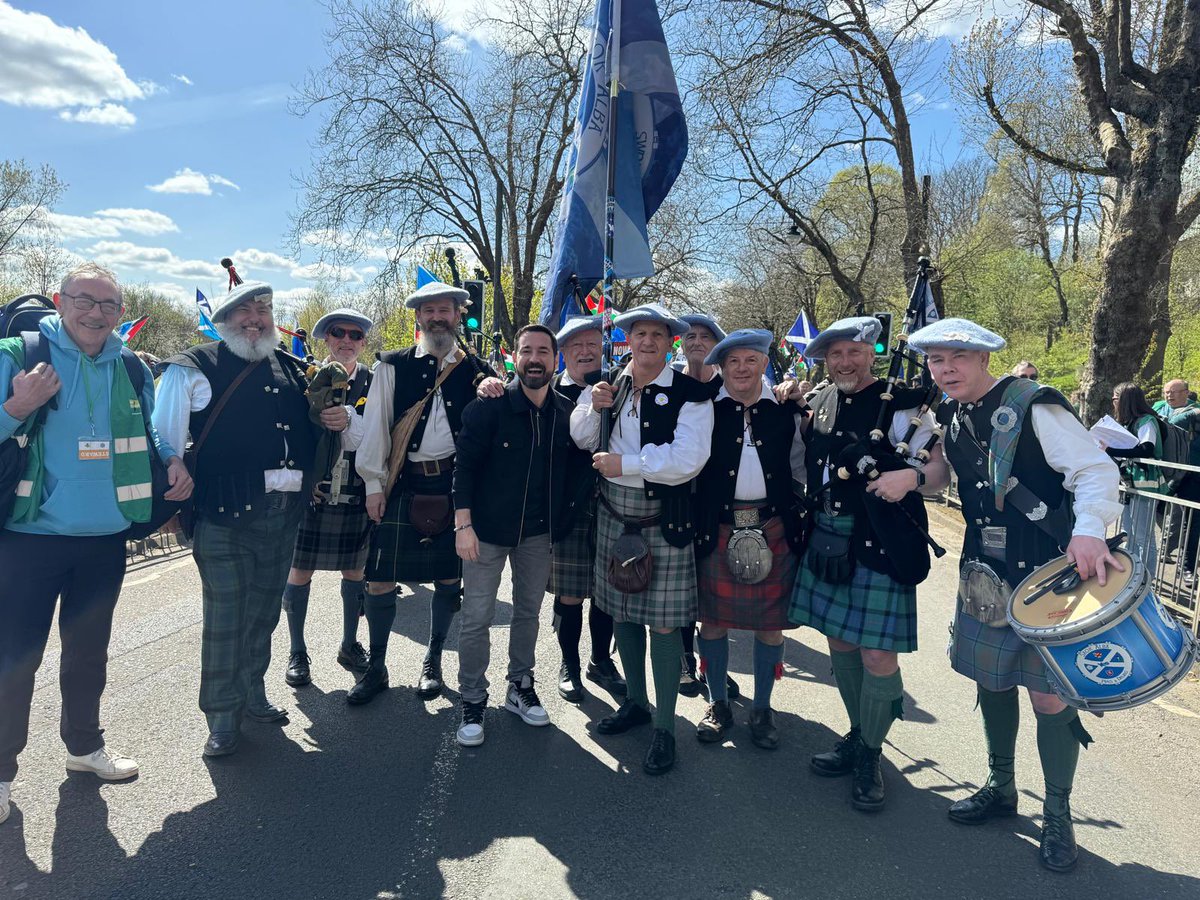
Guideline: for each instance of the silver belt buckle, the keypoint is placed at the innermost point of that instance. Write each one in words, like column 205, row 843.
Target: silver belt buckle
column 746, row 518
column 993, row 537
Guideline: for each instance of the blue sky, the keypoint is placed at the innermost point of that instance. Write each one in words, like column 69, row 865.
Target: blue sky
column 169, row 123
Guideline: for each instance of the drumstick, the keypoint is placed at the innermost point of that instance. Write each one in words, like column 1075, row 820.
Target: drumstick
column 1049, row 582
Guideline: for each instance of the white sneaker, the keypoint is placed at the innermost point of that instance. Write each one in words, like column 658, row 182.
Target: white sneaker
column 523, row 700
column 470, row 732
column 103, row 764
column 5, row 794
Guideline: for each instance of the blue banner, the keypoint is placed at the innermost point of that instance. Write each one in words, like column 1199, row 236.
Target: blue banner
column 652, row 143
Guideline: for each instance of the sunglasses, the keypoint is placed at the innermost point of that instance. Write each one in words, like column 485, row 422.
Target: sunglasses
column 337, row 331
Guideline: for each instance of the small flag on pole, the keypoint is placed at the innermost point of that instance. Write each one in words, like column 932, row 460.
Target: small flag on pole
column 802, row 332
column 928, row 313
column 128, row 330
column 206, row 326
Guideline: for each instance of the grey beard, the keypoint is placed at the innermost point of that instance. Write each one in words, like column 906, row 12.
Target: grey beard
column 243, row 347
column 846, row 386
column 437, row 343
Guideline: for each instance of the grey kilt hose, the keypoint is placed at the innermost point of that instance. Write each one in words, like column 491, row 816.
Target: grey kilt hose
column 242, row 572
column 670, row 600
column 573, row 559
column 996, row 658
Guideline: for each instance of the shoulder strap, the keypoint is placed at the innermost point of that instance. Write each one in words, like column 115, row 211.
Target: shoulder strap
column 133, row 367
column 37, row 350
column 216, row 413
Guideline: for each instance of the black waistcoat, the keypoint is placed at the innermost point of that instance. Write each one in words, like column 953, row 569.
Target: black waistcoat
column 1027, row 545
column 581, row 477
column 883, row 538
column 656, row 424
column 773, row 429
column 415, row 376
column 265, row 425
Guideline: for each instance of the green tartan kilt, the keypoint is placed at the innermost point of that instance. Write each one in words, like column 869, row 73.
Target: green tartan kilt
column 996, row 658
column 872, row 610
column 670, row 600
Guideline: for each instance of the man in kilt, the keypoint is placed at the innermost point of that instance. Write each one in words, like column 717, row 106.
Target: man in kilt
column 857, row 580
column 408, row 487
column 751, row 490
column 1015, row 444
column 242, row 399
column 661, row 431
column 333, row 533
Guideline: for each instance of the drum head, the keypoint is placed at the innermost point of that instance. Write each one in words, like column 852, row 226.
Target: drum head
column 1081, row 603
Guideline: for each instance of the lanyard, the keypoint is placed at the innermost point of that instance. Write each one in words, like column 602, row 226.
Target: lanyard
column 87, row 392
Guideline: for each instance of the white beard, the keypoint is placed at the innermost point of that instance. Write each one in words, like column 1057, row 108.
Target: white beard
column 437, row 343
column 244, row 348
column 846, row 386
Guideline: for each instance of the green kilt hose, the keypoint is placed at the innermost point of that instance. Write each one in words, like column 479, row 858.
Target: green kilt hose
column 670, row 600
column 242, row 571
column 727, row 603
column 996, row 658
column 872, row 610
column 399, row 553
column 573, row 559
column 332, row 538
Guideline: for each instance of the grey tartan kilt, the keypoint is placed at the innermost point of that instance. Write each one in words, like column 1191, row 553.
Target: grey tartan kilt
column 671, row 599
column 332, row 538
column 573, row 559
column 995, row 658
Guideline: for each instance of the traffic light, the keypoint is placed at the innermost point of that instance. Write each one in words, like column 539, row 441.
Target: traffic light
column 884, row 341
column 473, row 317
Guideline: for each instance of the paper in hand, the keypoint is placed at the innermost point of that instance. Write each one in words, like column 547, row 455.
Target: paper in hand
column 1109, row 433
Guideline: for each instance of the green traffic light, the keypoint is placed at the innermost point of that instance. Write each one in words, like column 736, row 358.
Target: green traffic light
column 879, row 348
column 472, row 323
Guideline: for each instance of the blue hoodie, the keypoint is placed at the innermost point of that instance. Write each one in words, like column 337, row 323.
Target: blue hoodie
column 79, row 498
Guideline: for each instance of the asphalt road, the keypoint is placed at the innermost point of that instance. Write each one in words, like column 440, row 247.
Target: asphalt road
column 379, row 801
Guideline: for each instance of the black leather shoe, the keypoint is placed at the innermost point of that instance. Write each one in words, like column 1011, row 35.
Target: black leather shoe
column 266, row 712
column 762, row 729
column 661, row 755
column 354, row 658
column 430, row 683
column 606, row 675
column 221, row 743
column 986, row 803
column 840, row 760
column 690, row 684
column 298, row 673
column 867, row 791
column 717, row 720
column 732, row 691
column 570, row 688
column 374, row 681
column 1059, row 852
column 630, row 715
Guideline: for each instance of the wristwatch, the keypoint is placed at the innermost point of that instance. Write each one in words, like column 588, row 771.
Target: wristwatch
column 920, row 479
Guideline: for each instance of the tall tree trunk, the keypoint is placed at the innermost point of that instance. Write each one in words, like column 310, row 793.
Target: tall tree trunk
column 1151, row 375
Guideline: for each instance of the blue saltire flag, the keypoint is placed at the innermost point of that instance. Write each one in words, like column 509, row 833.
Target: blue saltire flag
column 928, row 313
column 801, row 333
column 206, row 326
column 652, row 143
column 424, row 277
column 298, row 348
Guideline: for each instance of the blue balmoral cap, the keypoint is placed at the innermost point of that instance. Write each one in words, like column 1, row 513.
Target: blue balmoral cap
column 437, row 290
column 960, row 334
column 861, row 329
column 577, row 325
column 707, row 321
column 650, row 312
column 344, row 314
column 743, row 339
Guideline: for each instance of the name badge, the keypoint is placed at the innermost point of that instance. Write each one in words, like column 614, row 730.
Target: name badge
column 95, row 448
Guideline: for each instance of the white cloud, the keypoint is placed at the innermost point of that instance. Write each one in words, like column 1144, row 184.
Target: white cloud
column 172, row 291
column 182, row 79
column 44, row 64
column 108, row 114
column 262, row 259
column 112, row 223
column 189, row 181
column 320, row 271
column 126, row 255
column 292, row 295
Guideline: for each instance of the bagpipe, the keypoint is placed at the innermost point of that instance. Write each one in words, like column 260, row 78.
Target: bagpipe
column 482, row 369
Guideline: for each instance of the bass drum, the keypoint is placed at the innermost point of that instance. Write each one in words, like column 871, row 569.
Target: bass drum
column 1105, row 647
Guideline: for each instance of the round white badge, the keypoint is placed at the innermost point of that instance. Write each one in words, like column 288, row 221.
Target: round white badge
column 1104, row 663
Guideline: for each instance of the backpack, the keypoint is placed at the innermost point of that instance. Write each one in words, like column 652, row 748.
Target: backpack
column 1175, row 447
column 23, row 314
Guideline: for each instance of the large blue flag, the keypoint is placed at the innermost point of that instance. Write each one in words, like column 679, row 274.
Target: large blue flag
column 652, row 143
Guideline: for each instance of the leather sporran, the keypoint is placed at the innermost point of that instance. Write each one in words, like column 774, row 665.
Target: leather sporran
column 430, row 514
column 749, row 555
column 630, row 562
column 829, row 556
column 982, row 594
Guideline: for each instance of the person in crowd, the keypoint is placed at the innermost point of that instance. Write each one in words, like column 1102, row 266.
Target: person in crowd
column 334, row 531
column 1043, row 459
column 1180, row 410
column 241, row 399
column 1133, row 411
column 1025, row 369
column 85, row 419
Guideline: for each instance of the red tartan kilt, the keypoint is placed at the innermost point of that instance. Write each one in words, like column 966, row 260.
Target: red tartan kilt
column 755, row 607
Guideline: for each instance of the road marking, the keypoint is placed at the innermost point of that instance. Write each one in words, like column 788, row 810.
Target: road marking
column 1178, row 710
column 154, row 576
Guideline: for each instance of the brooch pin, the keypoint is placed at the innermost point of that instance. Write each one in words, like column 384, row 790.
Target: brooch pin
column 1004, row 419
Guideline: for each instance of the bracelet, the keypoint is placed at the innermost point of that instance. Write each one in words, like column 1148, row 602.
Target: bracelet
column 458, row 528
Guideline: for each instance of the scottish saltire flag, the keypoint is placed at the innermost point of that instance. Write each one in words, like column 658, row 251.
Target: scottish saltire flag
column 801, row 333
column 928, row 313
column 424, row 277
column 206, row 326
column 298, row 348
column 126, row 331
column 652, row 143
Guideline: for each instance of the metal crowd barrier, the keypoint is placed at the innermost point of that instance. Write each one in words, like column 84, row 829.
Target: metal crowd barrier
column 155, row 546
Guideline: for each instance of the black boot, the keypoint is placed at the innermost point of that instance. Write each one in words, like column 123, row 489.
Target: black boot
column 353, row 658
column 840, row 760
column 1058, row 852
column 374, row 681
column 986, row 803
column 605, row 674
column 763, row 731
column 570, row 688
column 867, row 791
column 689, row 683
column 630, row 715
column 430, row 683
column 717, row 720
column 661, row 755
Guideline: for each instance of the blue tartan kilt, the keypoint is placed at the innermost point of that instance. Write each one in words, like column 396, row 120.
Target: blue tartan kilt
column 996, row 658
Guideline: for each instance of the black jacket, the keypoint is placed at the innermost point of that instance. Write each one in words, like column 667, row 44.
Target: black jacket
column 492, row 469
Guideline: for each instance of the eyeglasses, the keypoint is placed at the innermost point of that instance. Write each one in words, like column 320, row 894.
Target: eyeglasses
column 337, row 331
column 84, row 303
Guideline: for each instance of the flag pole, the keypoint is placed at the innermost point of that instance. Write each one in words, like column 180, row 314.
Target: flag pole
column 610, row 203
